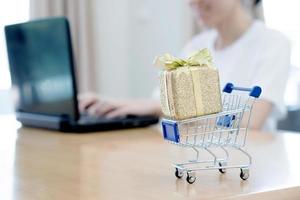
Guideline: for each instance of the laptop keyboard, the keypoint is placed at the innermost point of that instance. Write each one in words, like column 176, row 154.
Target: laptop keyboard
column 87, row 119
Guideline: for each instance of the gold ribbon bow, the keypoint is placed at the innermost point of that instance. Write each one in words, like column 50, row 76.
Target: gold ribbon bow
column 197, row 59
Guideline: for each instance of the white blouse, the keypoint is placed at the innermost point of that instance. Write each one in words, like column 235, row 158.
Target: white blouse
column 260, row 57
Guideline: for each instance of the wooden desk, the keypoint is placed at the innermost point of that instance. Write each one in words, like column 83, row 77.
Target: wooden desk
column 134, row 164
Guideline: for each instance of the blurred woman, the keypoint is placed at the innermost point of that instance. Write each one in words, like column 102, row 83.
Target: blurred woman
column 244, row 50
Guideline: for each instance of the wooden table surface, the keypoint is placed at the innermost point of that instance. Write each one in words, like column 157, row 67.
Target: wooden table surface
column 130, row 164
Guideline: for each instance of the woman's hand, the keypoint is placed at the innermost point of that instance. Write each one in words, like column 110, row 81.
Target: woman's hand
column 93, row 105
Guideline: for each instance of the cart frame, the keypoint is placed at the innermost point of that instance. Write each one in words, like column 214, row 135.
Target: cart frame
column 227, row 129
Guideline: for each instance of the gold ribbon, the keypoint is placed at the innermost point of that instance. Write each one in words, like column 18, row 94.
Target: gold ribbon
column 197, row 59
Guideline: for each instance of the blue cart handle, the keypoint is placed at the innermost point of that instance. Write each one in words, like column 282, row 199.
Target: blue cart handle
column 254, row 91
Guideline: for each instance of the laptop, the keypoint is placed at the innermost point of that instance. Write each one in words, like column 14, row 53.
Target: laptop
column 43, row 80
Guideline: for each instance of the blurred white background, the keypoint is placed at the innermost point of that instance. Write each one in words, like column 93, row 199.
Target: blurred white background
column 9, row 13
column 128, row 34
column 284, row 16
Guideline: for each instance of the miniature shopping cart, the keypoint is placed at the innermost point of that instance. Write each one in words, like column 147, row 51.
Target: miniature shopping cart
column 215, row 132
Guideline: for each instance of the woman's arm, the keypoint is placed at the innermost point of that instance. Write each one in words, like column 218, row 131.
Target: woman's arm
column 260, row 112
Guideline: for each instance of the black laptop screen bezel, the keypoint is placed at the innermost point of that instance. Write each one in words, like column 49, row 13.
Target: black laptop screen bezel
column 66, row 24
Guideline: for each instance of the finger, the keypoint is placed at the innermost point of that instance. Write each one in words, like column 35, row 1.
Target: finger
column 99, row 109
column 118, row 112
column 85, row 103
column 92, row 109
column 104, row 107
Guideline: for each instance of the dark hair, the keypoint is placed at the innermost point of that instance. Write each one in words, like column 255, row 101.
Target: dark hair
column 256, row 2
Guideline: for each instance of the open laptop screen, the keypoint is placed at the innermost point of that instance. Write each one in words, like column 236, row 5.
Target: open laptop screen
column 41, row 66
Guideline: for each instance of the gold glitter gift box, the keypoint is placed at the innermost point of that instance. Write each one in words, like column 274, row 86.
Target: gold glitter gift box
column 189, row 88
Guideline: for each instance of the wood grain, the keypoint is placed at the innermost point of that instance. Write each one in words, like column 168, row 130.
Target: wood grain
column 135, row 164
